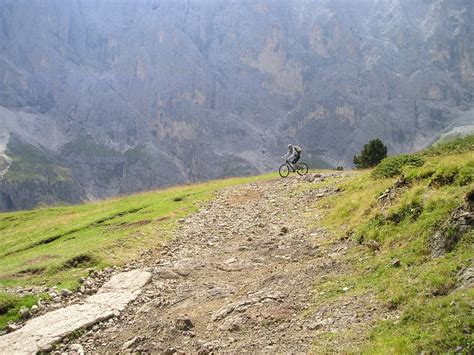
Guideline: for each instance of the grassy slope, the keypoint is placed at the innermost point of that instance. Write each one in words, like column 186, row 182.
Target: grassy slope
column 30, row 163
column 435, row 314
column 57, row 245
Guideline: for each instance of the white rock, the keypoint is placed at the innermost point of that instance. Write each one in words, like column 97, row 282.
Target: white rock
column 40, row 333
column 77, row 349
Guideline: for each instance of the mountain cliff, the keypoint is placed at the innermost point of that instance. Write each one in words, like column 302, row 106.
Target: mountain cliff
column 130, row 95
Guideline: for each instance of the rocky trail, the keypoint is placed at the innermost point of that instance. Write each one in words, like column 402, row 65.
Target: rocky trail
column 238, row 276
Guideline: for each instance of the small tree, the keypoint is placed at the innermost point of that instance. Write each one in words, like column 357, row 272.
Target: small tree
column 371, row 155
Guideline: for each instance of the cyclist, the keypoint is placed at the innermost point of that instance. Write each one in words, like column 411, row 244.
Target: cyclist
column 293, row 155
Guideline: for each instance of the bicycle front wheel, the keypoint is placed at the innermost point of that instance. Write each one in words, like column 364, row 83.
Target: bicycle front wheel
column 302, row 169
column 284, row 170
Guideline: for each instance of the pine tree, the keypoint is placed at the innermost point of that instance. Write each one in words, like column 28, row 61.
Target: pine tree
column 371, row 155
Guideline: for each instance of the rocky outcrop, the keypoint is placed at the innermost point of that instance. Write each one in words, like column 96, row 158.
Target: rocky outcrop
column 33, row 178
column 460, row 222
column 20, row 195
column 189, row 90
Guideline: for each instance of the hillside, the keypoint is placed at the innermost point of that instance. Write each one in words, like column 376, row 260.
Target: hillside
column 373, row 261
column 125, row 96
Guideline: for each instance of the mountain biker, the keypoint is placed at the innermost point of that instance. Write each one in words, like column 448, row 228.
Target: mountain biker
column 293, row 155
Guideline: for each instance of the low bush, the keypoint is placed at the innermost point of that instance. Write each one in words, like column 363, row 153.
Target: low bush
column 392, row 166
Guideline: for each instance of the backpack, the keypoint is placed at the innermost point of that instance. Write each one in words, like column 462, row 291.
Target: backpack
column 298, row 149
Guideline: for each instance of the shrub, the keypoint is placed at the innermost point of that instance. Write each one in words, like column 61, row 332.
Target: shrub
column 392, row 166
column 445, row 175
column 371, row 155
column 466, row 175
column 448, row 175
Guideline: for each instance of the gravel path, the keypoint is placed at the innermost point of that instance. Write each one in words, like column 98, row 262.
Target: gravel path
column 239, row 276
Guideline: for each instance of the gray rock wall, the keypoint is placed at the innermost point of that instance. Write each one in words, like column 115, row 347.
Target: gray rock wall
column 190, row 90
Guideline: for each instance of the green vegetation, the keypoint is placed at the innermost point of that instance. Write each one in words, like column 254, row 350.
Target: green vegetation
column 58, row 245
column 392, row 166
column 10, row 305
column 86, row 145
column 30, row 163
column 458, row 146
column 55, row 245
column 455, row 133
column 372, row 154
column 392, row 262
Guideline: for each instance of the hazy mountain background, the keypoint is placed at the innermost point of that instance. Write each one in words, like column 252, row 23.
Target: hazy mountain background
column 99, row 98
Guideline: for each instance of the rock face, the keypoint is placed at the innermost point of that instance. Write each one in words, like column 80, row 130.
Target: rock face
column 449, row 234
column 127, row 96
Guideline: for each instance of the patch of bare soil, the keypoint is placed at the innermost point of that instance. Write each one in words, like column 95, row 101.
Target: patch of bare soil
column 40, row 259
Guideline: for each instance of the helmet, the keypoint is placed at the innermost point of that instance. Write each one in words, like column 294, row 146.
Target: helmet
column 290, row 145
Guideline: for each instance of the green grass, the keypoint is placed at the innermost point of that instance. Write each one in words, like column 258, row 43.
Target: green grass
column 437, row 325
column 32, row 164
column 10, row 306
column 457, row 146
column 456, row 169
column 436, row 316
column 39, row 246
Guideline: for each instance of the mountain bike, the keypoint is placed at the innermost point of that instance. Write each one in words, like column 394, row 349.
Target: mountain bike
column 287, row 167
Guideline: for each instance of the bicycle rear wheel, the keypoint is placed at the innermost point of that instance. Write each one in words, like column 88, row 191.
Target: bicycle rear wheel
column 302, row 169
column 284, row 170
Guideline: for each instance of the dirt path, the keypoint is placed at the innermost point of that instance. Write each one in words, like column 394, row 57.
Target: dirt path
column 237, row 277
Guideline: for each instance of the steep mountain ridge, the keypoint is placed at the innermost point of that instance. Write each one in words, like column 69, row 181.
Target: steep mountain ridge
column 169, row 92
